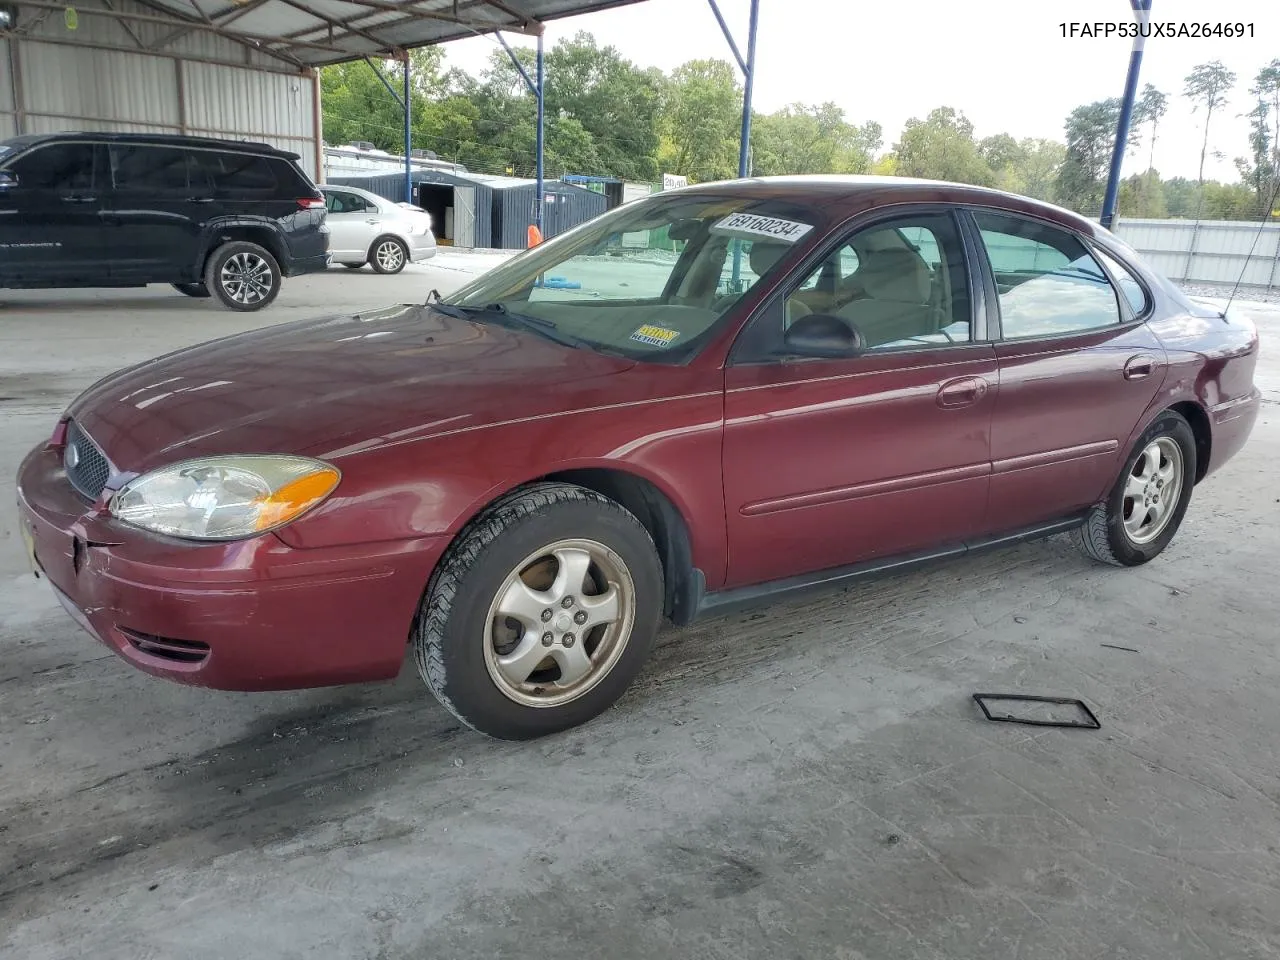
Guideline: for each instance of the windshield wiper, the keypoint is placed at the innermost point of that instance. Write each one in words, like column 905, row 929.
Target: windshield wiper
column 500, row 315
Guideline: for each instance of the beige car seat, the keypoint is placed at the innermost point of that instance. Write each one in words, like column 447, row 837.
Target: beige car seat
column 898, row 303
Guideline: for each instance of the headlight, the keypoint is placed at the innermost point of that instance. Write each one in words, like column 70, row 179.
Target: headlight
column 224, row 498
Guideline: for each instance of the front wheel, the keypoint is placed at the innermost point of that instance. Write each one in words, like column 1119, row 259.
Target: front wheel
column 243, row 276
column 541, row 613
column 388, row 255
column 1147, row 503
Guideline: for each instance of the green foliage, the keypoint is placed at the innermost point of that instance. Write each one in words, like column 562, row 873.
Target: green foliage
column 605, row 115
column 941, row 147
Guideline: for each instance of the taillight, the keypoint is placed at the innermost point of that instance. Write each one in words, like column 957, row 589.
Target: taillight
column 310, row 203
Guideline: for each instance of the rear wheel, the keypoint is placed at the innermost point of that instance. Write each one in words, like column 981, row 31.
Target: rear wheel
column 541, row 613
column 388, row 255
column 243, row 276
column 1147, row 503
column 197, row 290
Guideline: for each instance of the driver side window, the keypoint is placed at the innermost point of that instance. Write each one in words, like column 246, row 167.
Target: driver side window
column 899, row 284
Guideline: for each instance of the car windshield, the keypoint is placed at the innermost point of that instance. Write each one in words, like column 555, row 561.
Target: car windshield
column 649, row 280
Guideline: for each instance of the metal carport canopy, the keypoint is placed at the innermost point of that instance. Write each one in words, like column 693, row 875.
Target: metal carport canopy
column 316, row 33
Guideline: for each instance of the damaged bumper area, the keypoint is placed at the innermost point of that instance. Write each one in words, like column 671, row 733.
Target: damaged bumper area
column 252, row 614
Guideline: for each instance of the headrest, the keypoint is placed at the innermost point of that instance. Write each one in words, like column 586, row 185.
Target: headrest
column 895, row 275
column 764, row 255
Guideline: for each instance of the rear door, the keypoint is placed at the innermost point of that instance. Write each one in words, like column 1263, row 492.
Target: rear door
column 158, row 201
column 1078, row 368
column 51, row 226
column 353, row 225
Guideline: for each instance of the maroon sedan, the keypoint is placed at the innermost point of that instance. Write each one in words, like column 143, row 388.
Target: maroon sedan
column 708, row 397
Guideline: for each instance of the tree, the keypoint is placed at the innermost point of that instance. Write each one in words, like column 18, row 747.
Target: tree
column 700, row 125
column 1151, row 108
column 1142, row 195
column 804, row 139
column 1091, row 136
column 941, row 147
column 1258, row 169
column 1038, row 169
column 1207, row 85
column 616, row 102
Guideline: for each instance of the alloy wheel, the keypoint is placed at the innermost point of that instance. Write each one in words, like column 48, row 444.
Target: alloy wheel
column 390, row 256
column 1152, row 490
column 246, row 278
column 559, row 623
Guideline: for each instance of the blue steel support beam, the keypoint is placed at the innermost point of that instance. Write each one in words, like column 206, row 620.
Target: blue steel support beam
column 541, row 201
column 749, row 77
column 1141, row 13
column 744, row 151
column 515, row 62
column 408, row 137
column 385, row 82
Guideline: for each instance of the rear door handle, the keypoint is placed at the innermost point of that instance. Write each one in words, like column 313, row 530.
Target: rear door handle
column 199, row 199
column 75, row 198
column 964, row 392
column 373, row 222
column 1139, row 367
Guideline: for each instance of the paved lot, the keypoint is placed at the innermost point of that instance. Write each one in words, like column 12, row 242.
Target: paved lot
column 807, row 781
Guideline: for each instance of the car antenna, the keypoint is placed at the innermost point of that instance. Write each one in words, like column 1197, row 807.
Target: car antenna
column 1266, row 214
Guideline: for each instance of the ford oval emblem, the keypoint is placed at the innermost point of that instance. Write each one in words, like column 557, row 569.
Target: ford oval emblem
column 71, row 459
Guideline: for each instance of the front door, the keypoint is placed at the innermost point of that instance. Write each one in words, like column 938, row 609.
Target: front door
column 353, row 225
column 51, row 228
column 829, row 462
column 1077, row 370
column 157, row 206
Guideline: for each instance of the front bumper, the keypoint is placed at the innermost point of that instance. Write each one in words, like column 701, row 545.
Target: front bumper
column 250, row 615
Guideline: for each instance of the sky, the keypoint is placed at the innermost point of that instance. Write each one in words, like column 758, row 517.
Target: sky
column 1004, row 63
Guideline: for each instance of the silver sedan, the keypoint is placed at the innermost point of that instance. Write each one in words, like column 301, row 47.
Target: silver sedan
column 366, row 228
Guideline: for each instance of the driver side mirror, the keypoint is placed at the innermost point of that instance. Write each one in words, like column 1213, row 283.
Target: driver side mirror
column 8, row 179
column 823, row 335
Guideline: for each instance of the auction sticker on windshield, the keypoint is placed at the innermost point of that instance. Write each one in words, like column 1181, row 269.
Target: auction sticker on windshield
column 752, row 225
column 655, row 336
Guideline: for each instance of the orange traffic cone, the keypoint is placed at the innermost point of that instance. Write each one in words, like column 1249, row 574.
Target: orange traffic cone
column 535, row 235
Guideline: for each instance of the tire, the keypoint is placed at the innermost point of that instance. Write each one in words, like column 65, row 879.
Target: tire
column 388, row 255
column 197, row 290
column 1164, row 458
column 472, row 658
column 355, row 266
column 243, row 276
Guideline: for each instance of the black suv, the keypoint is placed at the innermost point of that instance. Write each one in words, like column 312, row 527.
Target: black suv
column 211, row 217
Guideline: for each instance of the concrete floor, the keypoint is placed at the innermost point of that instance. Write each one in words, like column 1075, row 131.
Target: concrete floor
column 810, row 780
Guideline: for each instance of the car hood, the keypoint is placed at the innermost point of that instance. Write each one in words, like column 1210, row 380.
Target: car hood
column 334, row 386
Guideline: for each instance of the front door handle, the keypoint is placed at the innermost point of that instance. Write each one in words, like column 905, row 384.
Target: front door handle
column 199, row 199
column 373, row 222
column 964, row 392
column 76, row 198
column 1139, row 367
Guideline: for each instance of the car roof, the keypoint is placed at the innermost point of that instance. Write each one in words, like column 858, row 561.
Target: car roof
column 360, row 191
column 155, row 139
column 850, row 194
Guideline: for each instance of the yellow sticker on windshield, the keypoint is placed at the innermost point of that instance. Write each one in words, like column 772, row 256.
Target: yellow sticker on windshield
column 655, row 336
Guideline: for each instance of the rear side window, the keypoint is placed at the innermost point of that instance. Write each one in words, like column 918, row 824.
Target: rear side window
column 1048, row 283
column 341, row 202
column 1128, row 283
column 144, row 167
column 58, row 166
column 240, row 174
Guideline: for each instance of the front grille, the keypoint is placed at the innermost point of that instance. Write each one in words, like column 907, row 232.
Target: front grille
column 86, row 466
column 179, row 651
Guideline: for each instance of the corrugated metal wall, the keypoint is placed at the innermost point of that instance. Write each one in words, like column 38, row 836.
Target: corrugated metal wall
column 1211, row 251
column 99, row 77
column 566, row 206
